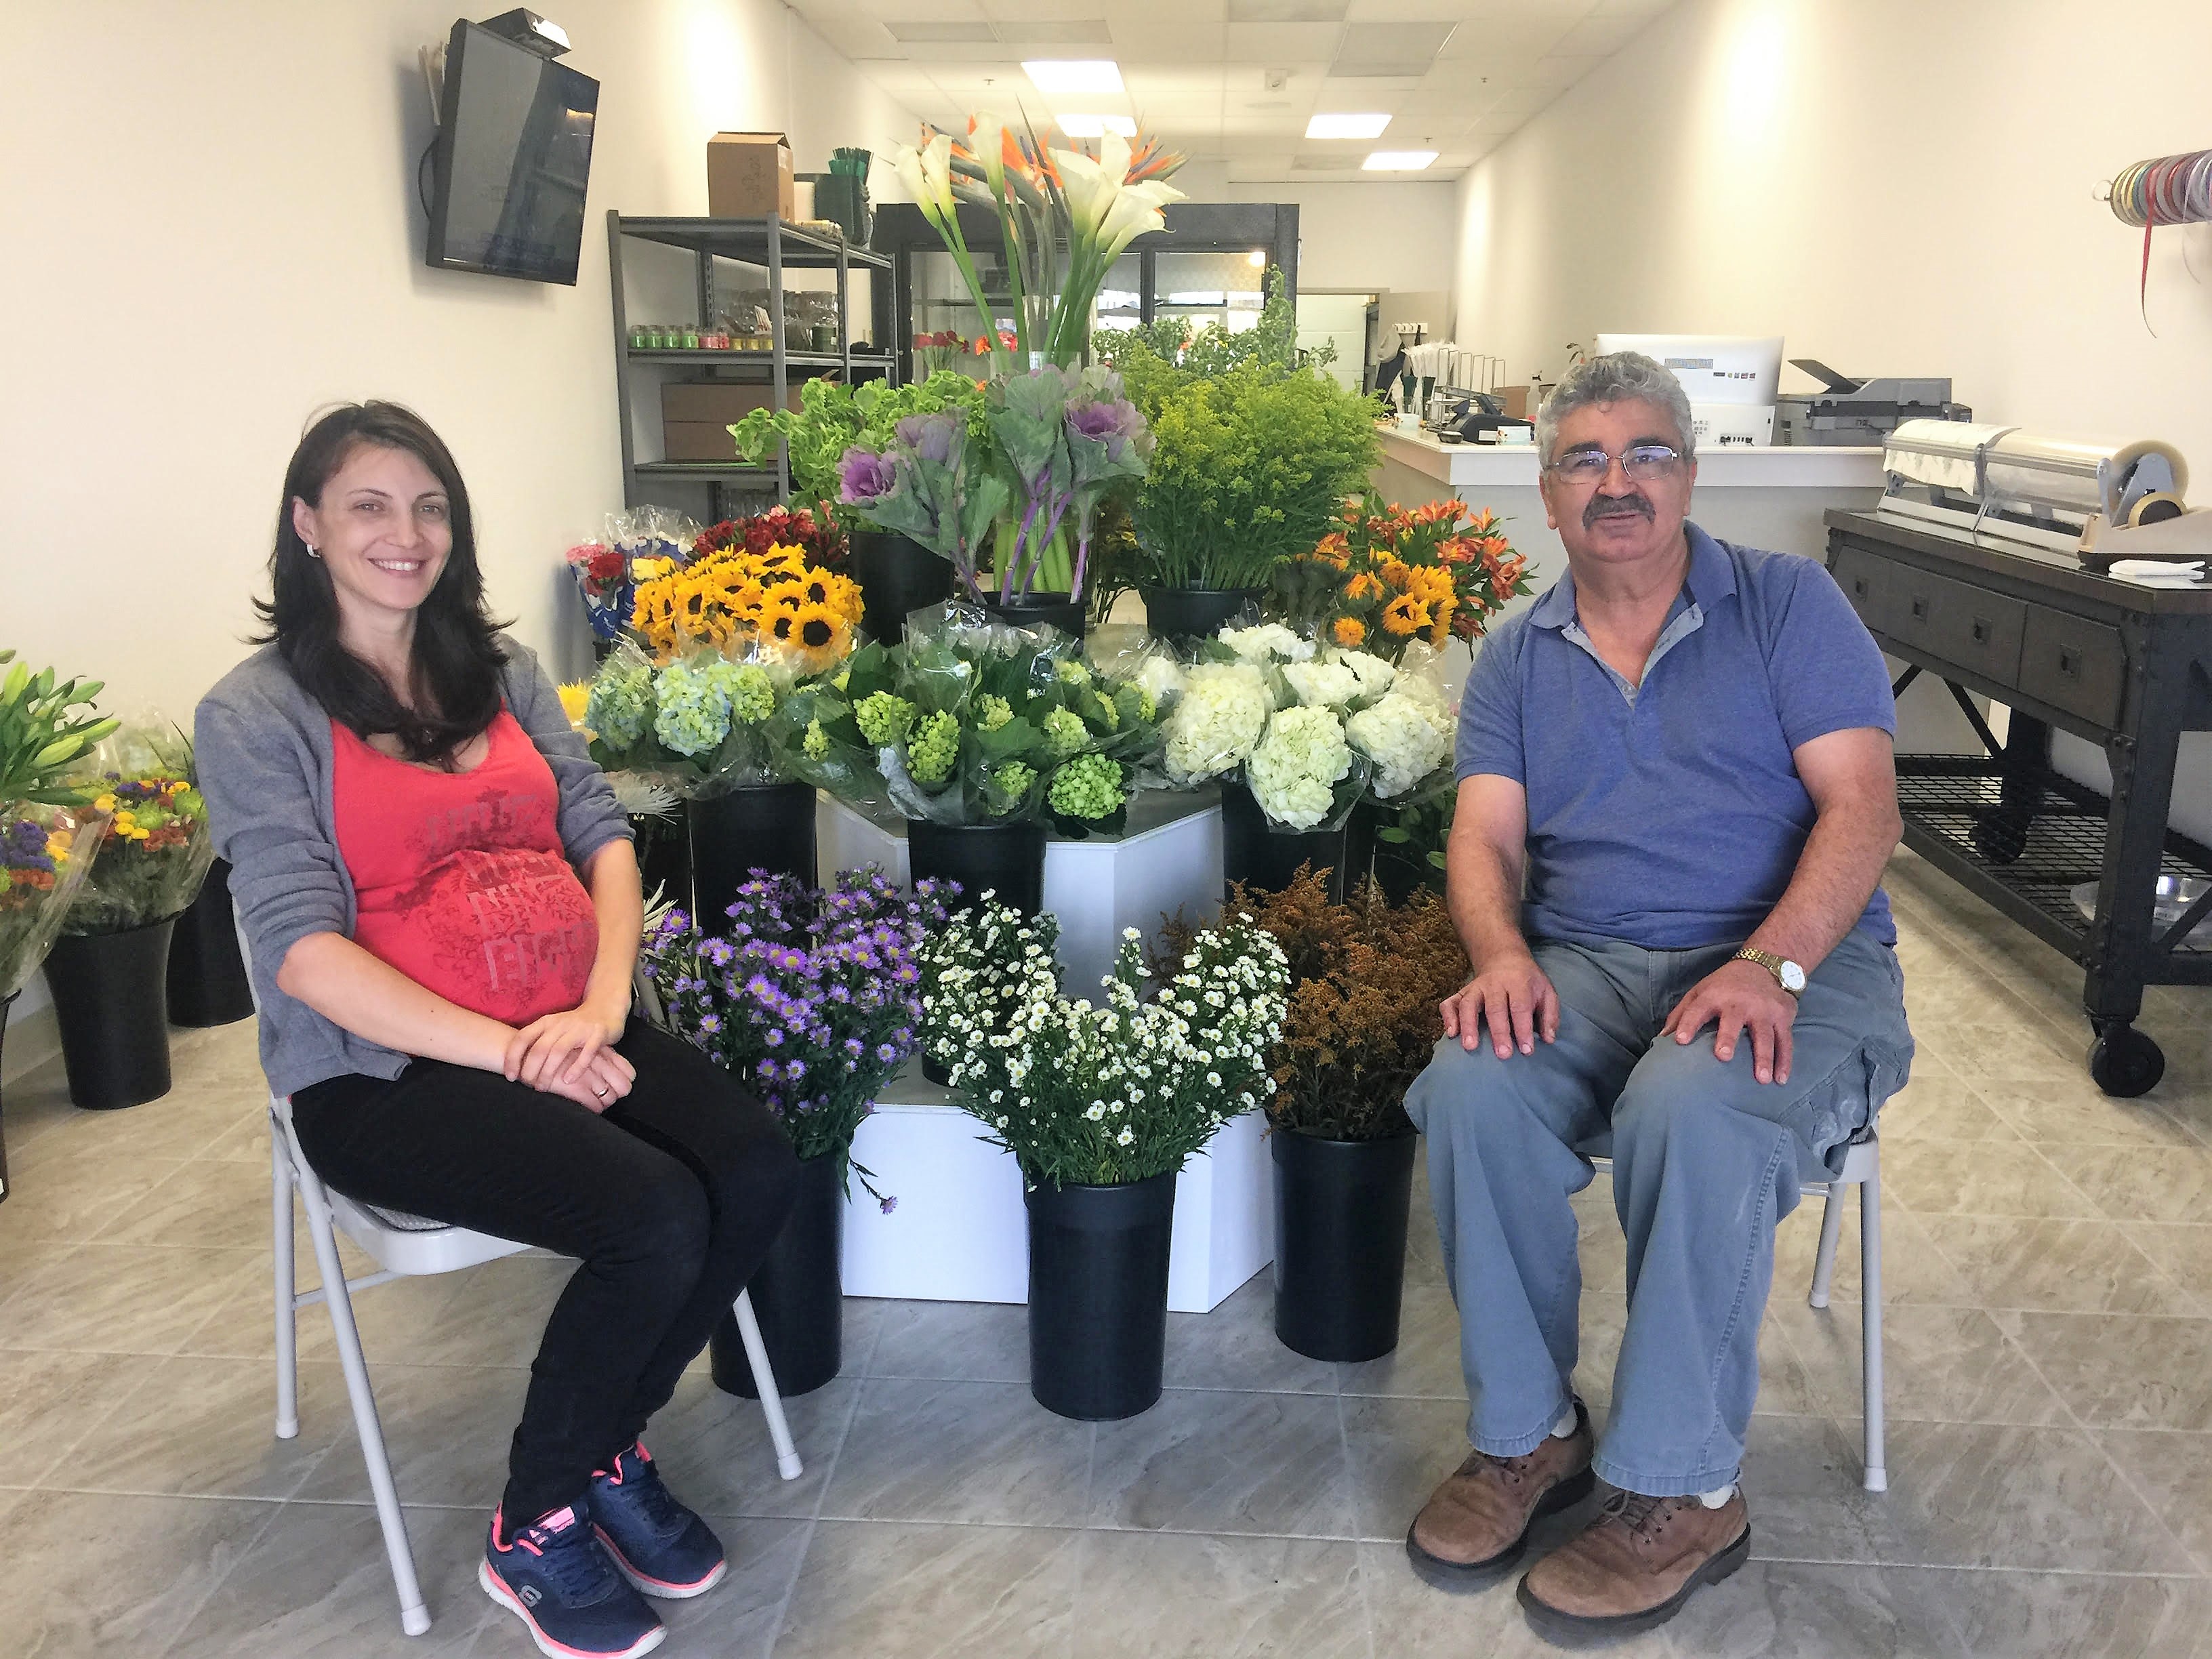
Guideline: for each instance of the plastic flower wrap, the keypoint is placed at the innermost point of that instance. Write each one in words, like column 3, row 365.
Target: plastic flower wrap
column 970, row 720
column 1407, row 737
column 156, row 847
column 1390, row 576
column 1129, row 1087
column 695, row 725
column 812, row 997
column 1294, row 771
column 1217, row 721
column 640, row 545
column 46, row 853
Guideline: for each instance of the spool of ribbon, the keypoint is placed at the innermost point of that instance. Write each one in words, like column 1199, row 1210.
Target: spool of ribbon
column 2168, row 190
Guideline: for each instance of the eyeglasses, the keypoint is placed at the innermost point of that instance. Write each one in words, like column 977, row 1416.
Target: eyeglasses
column 1642, row 463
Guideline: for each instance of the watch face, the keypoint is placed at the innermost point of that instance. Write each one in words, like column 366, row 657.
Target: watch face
column 1793, row 977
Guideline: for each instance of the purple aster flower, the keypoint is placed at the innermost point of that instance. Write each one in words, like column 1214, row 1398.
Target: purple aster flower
column 889, row 1205
column 886, row 1054
column 795, row 1069
column 709, row 1024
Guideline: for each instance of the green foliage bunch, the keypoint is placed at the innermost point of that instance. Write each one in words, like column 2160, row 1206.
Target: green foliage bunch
column 1250, row 468
column 832, row 417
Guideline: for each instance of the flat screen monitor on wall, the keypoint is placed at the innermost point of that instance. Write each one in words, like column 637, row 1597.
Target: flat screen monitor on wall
column 514, row 153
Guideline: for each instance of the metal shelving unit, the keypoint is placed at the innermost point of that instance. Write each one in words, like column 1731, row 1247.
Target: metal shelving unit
column 772, row 245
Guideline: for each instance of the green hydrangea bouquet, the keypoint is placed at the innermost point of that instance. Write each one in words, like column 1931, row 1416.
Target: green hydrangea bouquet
column 971, row 722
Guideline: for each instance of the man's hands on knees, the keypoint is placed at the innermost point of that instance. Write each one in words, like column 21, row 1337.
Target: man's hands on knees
column 1739, row 998
column 1514, row 998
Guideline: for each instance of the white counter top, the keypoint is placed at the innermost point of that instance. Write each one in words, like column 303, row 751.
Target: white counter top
column 1737, row 466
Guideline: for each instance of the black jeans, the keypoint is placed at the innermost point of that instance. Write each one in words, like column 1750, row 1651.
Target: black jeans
column 669, row 1200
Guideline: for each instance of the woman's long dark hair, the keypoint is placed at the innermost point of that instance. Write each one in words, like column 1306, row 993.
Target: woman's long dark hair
column 455, row 689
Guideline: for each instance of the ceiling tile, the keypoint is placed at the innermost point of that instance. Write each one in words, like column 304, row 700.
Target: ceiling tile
column 934, row 11
column 1282, row 42
column 1412, row 11
column 1599, row 36
column 857, row 36
column 1557, row 74
column 1392, row 43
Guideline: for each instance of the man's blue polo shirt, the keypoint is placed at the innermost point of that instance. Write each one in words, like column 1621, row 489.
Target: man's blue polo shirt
column 1671, row 815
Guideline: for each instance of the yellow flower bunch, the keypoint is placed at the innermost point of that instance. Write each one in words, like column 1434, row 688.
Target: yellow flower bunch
column 774, row 596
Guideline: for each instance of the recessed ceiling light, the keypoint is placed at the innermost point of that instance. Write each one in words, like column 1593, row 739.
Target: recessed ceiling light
column 1077, row 76
column 1398, row 161
column 1346, row 127
column 1097, row 127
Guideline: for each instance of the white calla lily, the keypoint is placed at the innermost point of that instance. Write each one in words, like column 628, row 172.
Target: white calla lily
column 986, row 138
column 1088, row 189
column 927, row 173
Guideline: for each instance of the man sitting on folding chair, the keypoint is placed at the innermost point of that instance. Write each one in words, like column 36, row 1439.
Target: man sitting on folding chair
column 443, row 911
column 1685, row 750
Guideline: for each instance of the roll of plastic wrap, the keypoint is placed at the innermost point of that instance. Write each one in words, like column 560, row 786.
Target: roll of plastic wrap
column 2080, row 478
column 1941, row 453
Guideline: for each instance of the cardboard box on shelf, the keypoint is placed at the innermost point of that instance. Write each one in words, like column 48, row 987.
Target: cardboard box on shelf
column 696, row 416
column 748, row 176
column 1516, row 399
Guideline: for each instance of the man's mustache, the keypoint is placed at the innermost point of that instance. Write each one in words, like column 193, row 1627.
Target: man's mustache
column 1612, row 507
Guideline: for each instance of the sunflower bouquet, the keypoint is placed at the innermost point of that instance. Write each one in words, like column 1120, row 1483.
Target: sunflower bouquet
column 1390, row 576
column 795, row 611
column 973, row 721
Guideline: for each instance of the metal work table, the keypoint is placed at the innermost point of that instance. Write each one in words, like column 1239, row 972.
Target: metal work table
column 2122, row 664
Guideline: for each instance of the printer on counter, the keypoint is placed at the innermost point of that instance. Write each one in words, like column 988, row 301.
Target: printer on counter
column 1861, row 412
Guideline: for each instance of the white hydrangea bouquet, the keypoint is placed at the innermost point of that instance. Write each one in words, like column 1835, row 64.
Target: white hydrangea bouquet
column 1309, row 729
column 1129, row 1089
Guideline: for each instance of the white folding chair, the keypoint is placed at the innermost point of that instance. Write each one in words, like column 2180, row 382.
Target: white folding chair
column 1862, row 1169
column 402, row 1246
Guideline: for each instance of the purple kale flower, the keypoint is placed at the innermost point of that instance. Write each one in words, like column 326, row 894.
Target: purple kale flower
column 864, row 475
column 933, row 437
column 1110, row 424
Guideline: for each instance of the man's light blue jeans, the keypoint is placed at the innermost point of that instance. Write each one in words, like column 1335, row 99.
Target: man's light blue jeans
column 1706, row 1161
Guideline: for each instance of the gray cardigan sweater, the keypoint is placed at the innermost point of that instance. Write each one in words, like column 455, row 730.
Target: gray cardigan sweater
column 263, row 750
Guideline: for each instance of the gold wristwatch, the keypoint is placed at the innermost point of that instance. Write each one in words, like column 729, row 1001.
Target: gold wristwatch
column 1787, row 974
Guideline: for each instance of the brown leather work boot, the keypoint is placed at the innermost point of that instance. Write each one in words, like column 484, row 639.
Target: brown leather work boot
column 1635, row 1565
column 1478, row 1521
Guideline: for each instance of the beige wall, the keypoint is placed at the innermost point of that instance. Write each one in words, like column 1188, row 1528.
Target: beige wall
column 1385, row 232
column 1894, row 186
column 212, row 229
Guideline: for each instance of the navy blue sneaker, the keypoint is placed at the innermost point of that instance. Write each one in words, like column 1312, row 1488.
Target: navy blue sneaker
column 554, row 1576
column 660, row 1547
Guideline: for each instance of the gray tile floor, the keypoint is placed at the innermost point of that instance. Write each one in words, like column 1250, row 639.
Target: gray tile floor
column 2050, row 1401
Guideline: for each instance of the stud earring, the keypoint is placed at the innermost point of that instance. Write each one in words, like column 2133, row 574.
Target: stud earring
column 314, row 552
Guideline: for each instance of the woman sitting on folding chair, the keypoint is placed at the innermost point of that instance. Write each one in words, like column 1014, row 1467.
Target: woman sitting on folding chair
column 443, row 909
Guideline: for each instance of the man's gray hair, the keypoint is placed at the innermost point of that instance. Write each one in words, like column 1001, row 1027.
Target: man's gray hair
column 1618, row 377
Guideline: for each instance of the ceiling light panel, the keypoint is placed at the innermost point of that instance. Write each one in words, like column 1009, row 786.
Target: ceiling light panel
column 1398, row 161
column 1346, row 127
column 1083, row 32
column 923, row 30
column 1077, row 77
column 1286, row 11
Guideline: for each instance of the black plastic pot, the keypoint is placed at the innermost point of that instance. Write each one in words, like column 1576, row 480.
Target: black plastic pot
column 844, row 200
column 1038, row 610
column 1008, row 859
column 664, row 856
column 6, row 1003
column 207, row 975
column 1266, row 860
column 798, row 1295
column 1098, row 1296
column 1341, row 1241
column 113, row 1006
column 1188, row 613
column 766, row 826
column 897, row 575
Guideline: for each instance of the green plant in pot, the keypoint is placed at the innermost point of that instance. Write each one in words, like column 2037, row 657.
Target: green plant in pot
column 1101, row 1105
column 1363, row 1018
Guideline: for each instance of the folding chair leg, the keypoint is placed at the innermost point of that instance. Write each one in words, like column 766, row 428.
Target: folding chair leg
column 286, row 1287
column 1877, row 1474
column 1824, row 1265
column 414, row 1617
column 787, row 1454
